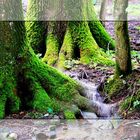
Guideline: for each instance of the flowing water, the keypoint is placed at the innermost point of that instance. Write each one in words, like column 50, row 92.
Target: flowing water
column 103, row 110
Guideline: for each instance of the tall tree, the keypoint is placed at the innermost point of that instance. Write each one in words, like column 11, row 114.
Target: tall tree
column 123, row 56
column 103, row 11
column 25, row 81
column 80, row 38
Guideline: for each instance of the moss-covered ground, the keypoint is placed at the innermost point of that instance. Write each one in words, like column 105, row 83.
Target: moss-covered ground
column 126, row 92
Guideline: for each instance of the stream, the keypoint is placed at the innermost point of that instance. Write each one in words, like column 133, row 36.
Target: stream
column 103, row 110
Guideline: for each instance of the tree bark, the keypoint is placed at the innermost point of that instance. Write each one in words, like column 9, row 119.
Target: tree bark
column 98, row 38
column 27, row 83
column 101, row 36
column 103, row 11
column 123, row 56
column 54, row 40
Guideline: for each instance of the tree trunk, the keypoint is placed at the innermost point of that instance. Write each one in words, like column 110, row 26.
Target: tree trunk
column 103, row 11
column 36, row 33
column 27, row 83
column 35, row 27
column 123, row 56
column 57, row 53
column 99, row 33
column 54, row 41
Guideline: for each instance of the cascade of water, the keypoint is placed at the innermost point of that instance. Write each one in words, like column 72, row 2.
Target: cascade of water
column 90, row 91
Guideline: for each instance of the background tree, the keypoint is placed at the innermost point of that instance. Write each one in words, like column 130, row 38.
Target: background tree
column 103, row 11
column 123, row 56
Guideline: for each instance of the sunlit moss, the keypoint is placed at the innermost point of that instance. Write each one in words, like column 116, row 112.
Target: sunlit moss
column 52, row 47
column 69, row 115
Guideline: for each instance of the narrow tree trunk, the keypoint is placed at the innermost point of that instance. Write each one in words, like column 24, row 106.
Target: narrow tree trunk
column 103, row 11
column 123, row 57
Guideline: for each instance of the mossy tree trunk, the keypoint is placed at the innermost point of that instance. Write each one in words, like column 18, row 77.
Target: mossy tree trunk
column 54, row 40
column 123, row 56
column 85, row 45
column 102, row 37
column 27, row 83
column 36, row 28
column 80, row 41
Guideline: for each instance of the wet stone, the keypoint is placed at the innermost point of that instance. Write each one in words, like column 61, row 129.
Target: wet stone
column 138, row 42
column 57, row 122
column 46, row 115
column 89, row 115
column 65, row 128
column 40, row 123
column 12, row 136
column 56, row 117
column 41, row 136
column 52, row 127
column 3, row 136
column 105, row 125
column 52, row 134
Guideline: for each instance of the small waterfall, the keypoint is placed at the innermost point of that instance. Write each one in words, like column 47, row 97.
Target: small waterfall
column 104, row 110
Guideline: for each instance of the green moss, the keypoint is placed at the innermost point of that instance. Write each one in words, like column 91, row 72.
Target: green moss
column 36, row 35
column 114, row 86
column 66, row 51
column 128, row 103
column 69, row 115
column 14, row 103
column 2, row 106
column 50, row 88
column 101, row 36
column 62, row 87
column 52, row 52
column 41, row 100
column 89, row 50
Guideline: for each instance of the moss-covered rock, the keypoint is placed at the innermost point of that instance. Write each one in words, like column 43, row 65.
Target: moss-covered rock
column 113, row 87
column 69, row 115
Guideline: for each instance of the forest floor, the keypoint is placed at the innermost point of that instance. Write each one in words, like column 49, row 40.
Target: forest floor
column 99, row 74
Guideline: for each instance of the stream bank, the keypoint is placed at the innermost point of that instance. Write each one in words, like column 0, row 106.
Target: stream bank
column 91, row 79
